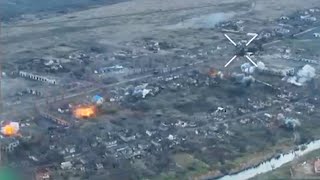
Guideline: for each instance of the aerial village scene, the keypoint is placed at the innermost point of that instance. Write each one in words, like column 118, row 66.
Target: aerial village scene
column 162, row 90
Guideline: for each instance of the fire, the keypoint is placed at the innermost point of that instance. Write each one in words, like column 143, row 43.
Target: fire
column 10, row 129
column 85, row 111
column 214, row 73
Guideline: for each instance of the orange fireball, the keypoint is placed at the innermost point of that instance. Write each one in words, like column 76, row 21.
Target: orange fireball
column 85, row 111
column 10, row 129
column 214, row 73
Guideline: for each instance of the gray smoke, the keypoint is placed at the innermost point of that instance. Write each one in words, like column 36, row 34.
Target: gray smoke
column 292, row 123
column 249, row 68
column 304, row 75
column 261, row 65
column 211, row 20
column 243, row 79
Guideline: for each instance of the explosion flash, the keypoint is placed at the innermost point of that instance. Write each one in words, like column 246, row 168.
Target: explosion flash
column 85, row 111
column 214, row 73
column 10, row 129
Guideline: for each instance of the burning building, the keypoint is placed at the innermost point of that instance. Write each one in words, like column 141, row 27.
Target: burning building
column 85, row 111
column 10, row 129
column 214, row 73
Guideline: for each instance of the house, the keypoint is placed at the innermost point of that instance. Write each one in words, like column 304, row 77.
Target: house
column 317, row 35
column 127, row 138
column 37, row 77
column 116, row 68
column 42, row 174
column 308, row 18
column 97, row 99
column 10, row 145
column 66, row 165
column 284, row 18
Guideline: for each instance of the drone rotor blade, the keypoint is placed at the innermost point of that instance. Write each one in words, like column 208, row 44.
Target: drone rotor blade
column 230, row 61
column 230, row 39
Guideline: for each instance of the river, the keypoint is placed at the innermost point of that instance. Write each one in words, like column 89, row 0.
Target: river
column 273, row 163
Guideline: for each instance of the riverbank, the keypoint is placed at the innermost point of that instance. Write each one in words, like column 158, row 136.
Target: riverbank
column 275, row 162
column 285, row 172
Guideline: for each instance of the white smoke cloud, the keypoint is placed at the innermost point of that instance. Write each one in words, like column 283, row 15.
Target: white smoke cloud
column 293, row 80
column 248, row 68
column 261, row 65
column 304, row 75
column 243, row 79
column 292, row 123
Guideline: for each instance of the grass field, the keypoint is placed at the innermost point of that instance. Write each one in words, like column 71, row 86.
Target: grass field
column 189, row 168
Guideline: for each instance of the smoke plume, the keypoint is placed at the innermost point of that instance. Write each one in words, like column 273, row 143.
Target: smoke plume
column 304, row 75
